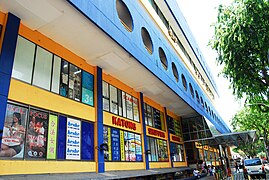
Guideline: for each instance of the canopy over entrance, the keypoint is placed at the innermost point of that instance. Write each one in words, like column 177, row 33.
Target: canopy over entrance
column 199, row 129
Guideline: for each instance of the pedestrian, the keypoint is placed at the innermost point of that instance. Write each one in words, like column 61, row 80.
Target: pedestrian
column 229, row 173
column 210, row 170
column 236, row 166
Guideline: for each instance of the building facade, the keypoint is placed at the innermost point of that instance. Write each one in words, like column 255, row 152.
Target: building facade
column 98, row 86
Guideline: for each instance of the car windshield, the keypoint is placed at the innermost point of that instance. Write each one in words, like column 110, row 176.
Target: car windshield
column 253, row 162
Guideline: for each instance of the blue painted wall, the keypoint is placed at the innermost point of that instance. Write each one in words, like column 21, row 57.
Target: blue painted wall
column 107, row 19
column 6, row 62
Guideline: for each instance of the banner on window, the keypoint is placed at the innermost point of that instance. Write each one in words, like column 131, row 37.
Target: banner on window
column 14, row 132
column 52, row 135
column 73, row 139
column 36, row 134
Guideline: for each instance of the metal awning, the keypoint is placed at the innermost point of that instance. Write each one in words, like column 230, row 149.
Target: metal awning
column 229, row 139
column 236, row 138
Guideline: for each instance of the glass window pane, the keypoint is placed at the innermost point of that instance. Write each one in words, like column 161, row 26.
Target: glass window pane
column 42, row 69
column 149, row 114
column 64, row 78
column 135, row 109
column 120, row 102
column 153, row 149
column 148, row 142
column 23, row 61
column 138, row 148
column 146, row 114
column 123, row 104
column 131, row 137
column 55, row 86
column 113, row 100
column 105, row 96
column 74, row 91
column 129, row 106
column 87, row 88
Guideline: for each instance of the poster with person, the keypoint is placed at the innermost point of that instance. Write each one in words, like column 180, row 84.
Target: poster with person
column 13, row 137
column 36, row 139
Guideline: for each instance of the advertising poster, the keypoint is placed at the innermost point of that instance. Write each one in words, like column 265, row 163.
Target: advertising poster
column 109, row 144
column 115, row 141
column 129, row 106
column 73, row 139
column 138, row 148
column 87, row 88
column 14, row 132
column 122, row 151
column 160, row 149
column 135, row 108
column 126, row 146
column 52, row 136
column 105, row 129
column 131, row 138
column 36, row 141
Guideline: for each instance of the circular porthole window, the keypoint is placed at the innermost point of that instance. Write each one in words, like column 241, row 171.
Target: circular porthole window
column 163, row 58
column 124, row 15
column 184, row 82
column 191, row 90
column 147, row 40
column 197, row 96
column 174, row 68
column 202, row 101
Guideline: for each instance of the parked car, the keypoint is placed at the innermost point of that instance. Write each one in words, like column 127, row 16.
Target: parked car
column 254, row 167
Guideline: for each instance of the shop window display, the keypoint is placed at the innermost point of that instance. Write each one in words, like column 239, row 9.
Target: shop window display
column 119, row 102
column 87, row 88
column 45, row 135
column 158, row 150
column 64, row 79
column 74, row 90
column 154, row 117
column 122, row 145
column 37, row 66
column 177, row 151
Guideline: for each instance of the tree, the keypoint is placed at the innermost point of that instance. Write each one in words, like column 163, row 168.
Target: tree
column 250, row 118
column 242, row 42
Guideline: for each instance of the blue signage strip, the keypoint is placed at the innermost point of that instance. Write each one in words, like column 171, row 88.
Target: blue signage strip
column 115, row 143
column 6, row 63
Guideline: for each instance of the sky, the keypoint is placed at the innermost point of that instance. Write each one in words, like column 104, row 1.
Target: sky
column 200, row 15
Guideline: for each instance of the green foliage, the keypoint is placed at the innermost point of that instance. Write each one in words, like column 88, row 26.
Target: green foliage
column 242, row 42
column 252, row 118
